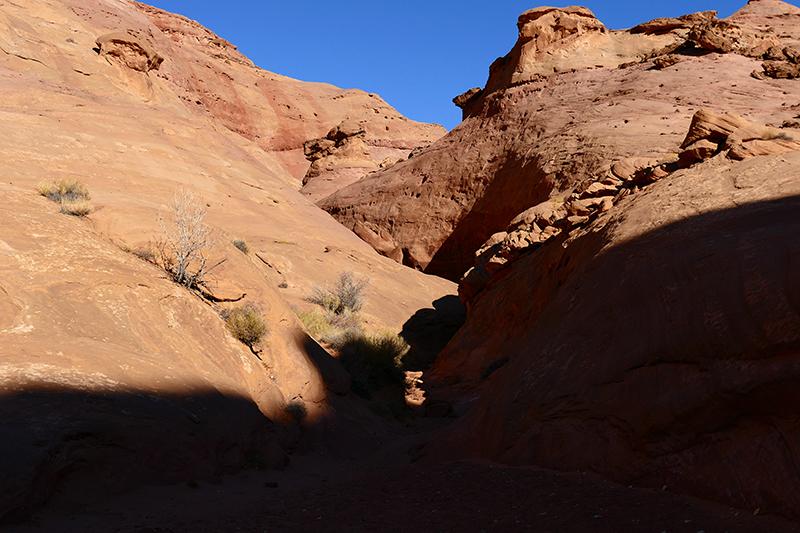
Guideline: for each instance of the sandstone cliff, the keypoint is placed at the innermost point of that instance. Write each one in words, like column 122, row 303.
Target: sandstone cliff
column 111, row 375
column 637, row 314
column 552, row 115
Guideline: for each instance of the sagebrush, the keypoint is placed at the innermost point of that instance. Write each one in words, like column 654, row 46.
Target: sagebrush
column 374, row 361
column 347, row 294
column 241, row 244
column 329, row 328
column 247, row 324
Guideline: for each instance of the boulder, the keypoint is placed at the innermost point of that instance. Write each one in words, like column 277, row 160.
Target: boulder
column 665, row 61
column 700, row 150
column 661, row 25
column 598, row 189
column 760, row 147
column 491, row 245
column 781, row 70
column 626, row 169
column 726, row 36
column 543, row 215
column 712, row 126
column 667, row 24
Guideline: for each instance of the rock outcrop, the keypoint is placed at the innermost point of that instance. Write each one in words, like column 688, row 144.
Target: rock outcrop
column 338, row 159
column 640, row 320
column 708, row 135
column 132, row 48
column 533, row 134
column 658, row 346
column 213, row 79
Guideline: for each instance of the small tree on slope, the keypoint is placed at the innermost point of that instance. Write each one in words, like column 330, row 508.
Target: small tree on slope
column 189, row 240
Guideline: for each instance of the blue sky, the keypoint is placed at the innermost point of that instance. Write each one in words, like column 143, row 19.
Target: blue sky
column 416, row 54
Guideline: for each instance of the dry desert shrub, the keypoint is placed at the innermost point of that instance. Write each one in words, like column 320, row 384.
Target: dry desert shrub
column 188, row 241
column 155, row 252
column 79, row 208
column 64, row 190
column 72, row 195
column 769, row 135
column 374, row 361
column 241, row 244
column 246, row 324
column 296, row 409
column 347, row 294
column 329, row 328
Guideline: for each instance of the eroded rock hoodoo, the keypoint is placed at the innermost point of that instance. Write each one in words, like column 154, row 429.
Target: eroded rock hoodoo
column 338, row 159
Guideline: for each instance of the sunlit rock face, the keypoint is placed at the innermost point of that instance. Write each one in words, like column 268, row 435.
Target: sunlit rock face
column 111, row 375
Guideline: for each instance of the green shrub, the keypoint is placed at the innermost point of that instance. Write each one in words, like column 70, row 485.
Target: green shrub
column 246, row 324
column 347, row 294
column 241, row 244
column 329, row 328
column 316, row 323
column 373, row 361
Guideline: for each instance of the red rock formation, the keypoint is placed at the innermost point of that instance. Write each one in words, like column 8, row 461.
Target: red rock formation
column 551, row 117
column 659, row 346
column 708, row 135
column 338, row 159
column 277, row 113
column 111, row 375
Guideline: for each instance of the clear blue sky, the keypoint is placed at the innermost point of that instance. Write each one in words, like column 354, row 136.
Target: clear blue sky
column 416, row 54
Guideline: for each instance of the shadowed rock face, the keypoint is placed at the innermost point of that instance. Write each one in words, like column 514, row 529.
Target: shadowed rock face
column 654, row 338
column 659, row 348
column 533, row 134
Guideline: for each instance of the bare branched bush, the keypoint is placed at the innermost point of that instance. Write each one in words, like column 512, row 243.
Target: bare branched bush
column 347, row 294
column 188, row 241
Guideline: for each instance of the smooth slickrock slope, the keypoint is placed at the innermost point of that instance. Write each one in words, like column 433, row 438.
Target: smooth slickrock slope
column 111, row 375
